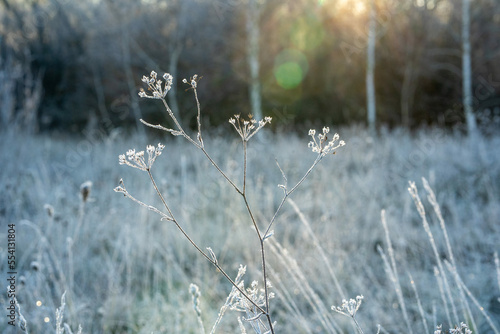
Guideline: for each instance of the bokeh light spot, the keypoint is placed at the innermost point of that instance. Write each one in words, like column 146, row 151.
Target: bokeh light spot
column 289, row 75
column 290, row 68
column 38, row 303
column 46, row 319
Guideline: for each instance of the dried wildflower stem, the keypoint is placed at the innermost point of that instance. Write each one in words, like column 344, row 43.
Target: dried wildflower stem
column 246, row 129
column 199, row 145
column 212, row 261
column 262, row 237
column 259, row 235
column 161, row 197
column 159, row 93
column 125, row 193
column 287, row 192
column 349, row 309
column 266, row 288
column 221, row 172
column 229, row 299
column 245, row 169
column 357, row 325
column 198, row 117
column 200, row 139
column 243, row 193
column 177, row 124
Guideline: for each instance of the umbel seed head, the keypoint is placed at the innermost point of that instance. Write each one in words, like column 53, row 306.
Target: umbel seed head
column 85, row 190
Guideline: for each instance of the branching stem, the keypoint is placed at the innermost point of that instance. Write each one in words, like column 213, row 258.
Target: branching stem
column 212, row 261
column 259, row 235
column 289, row 192
column 245, row 131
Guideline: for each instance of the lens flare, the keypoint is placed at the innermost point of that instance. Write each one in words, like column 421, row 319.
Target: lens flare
column 290, row 68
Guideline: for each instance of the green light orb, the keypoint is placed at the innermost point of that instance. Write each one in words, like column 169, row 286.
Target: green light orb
column 289, row 75
column 290, row 68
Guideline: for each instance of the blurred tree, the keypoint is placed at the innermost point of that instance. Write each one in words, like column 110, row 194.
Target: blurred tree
column 252, row 26
column 370, row 68
column 307, row 60
column 466, row 68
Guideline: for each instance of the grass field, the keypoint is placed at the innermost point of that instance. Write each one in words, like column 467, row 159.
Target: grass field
column 125, row 271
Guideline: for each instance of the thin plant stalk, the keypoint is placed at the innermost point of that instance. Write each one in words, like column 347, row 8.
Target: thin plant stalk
column 431, row 197
column 246, row 130
column 412, row 189
column 419, row 304
column 394, row 270
column 211, row 260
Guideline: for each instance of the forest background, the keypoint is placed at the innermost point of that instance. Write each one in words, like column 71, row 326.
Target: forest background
column 412, row 86
column 70, row 64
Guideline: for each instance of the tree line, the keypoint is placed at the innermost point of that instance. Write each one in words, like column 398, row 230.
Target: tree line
column 73, row 64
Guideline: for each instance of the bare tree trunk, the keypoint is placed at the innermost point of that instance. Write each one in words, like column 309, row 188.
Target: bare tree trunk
column 370, row 69
column 253, row 58
column 466, row 68
column 172, row 69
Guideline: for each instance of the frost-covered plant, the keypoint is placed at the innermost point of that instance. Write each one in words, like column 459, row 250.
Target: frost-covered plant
column 253, row 301
column 239, row 303
column 60, row 328
column 320, row 143
column 349, row 309
column 462, row 329
column 22, row 323
column 195, row 294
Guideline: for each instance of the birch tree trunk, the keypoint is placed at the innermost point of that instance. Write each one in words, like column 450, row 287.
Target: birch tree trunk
column 466, row 68
column 252, row 28
column 172, row 69
column 370, row 69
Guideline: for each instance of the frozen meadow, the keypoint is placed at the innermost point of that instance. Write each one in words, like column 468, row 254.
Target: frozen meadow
column 352, row 228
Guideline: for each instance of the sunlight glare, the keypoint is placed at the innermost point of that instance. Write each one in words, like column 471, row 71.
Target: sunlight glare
column 356, row 7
